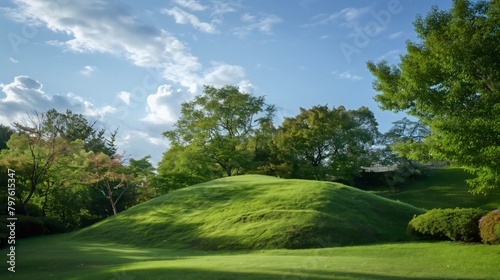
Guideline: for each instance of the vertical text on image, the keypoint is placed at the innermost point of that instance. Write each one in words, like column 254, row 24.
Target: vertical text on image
column 11, row 219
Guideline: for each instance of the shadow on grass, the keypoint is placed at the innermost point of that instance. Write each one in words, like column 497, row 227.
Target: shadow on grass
column 208, row 274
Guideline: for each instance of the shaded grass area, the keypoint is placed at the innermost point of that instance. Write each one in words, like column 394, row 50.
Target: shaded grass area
column 61, row 257
column 256, row 212
column 443, row 188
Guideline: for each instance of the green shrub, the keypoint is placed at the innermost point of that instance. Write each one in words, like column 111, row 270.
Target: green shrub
column 52, row 225
column 498, row 231
column 489, row 227
column 459, row 224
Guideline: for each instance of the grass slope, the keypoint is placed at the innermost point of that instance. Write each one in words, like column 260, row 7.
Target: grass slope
column 444, row 188
column 256, row 212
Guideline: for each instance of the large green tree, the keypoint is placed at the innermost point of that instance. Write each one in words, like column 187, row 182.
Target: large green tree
column 450, row 80
column 218, row 124
column 323, row 143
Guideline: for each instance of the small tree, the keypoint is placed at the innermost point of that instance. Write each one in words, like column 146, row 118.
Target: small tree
column 142, row 174
column 106, row 175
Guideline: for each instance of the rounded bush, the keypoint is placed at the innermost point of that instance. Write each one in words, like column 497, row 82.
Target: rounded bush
column 489, row 227
column 459, row 224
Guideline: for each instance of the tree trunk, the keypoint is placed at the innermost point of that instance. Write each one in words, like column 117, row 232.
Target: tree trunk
column 113, row 205
column 46, row 198
column 25, row 203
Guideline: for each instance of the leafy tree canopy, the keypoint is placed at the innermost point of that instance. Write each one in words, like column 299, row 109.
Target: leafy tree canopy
column 320, row 142
column 450, row 80
column 218, row 124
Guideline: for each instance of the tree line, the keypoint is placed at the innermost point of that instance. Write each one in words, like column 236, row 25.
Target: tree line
column 70, row 170
column 67, row 169
column 225, row 132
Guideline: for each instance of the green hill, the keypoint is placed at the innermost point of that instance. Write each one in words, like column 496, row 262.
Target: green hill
column 257, row 212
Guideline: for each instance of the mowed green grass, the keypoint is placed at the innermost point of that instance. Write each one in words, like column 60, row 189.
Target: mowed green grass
column 444, row 188
column 61, row 257
column 258, row 212
column 126, row 247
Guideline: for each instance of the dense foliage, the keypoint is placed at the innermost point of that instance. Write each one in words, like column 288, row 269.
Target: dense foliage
column 450, row 80
column 217, row 126
column 223, row 132
column 65, row 167
column 322, row 143
column 489, row 226
column 459, row 224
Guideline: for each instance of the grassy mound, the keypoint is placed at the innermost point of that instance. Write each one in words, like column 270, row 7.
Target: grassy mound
column 444, row 188
column 257, row 212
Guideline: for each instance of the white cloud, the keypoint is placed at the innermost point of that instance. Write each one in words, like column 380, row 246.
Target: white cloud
column 109, row 27
column 347, row 15
column 346, row 75
column 247, row 17
column 87, row 70
column 394, row 54
column 25, row 94
column 395, row 35
column 190, row 4
column 221, row 7
column 125, row 97
column 97, row 26
column 183, row 17
column 223, row 74
column 264, row 24
column 24, row 90
column 246, row 86
column 350, row 14
column 87, row 107
column 162, row 106
column 14, row 60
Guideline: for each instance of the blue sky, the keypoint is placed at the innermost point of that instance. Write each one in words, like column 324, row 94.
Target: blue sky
column 130, row 64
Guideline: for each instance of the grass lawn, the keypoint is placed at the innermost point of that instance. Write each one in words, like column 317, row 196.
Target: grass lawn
column 60, row 257
column 230, row 229
column 443, row 188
